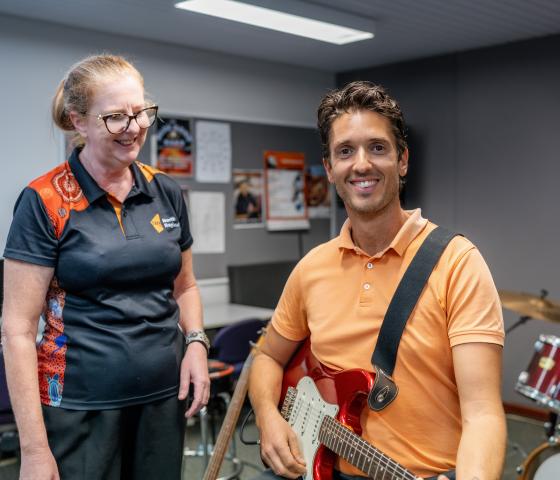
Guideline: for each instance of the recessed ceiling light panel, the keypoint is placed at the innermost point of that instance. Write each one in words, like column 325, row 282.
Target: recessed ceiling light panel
column 276, row 20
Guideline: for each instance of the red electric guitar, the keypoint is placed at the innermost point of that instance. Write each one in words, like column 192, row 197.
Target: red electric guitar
column 323, row 408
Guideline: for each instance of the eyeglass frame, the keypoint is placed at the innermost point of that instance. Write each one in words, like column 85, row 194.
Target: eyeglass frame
column 105, row 116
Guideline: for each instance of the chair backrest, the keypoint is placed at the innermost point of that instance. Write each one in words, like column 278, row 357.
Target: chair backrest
column 232, row 343
column 5, row 405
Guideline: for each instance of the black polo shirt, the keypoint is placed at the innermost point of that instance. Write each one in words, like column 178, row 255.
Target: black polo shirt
column 111, row 336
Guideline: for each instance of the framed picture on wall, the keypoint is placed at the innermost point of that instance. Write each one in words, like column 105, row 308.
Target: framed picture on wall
column 247, row 198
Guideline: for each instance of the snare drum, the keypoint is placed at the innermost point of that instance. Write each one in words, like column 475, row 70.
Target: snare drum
column 541, row 380
column 543, row 463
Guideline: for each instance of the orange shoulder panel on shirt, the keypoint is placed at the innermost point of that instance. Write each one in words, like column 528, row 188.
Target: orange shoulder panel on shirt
column 60, row 192
column 148, row 171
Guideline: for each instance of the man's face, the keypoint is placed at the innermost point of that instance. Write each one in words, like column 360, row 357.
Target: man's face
column 364, row 164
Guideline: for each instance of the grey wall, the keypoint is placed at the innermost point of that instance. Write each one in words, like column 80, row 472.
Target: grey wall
column 488, row 126
column 257, row 245
column 34, row 57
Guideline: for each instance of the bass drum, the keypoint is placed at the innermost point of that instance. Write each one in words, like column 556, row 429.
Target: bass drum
column 543, row 463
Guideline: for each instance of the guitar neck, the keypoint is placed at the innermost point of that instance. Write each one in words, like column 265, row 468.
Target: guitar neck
column 359, row 453
column 229, row 423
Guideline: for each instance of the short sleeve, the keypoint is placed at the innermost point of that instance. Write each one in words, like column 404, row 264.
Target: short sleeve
column 290, row 319
column 473, row 305
column 31, row 237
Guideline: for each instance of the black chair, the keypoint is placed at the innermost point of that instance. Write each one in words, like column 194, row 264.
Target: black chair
column 9, row 440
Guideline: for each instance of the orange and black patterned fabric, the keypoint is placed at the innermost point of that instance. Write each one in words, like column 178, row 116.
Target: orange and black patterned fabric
column 111, row 336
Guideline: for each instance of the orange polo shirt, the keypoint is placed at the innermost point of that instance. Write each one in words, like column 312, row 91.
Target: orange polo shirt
column 338, row 295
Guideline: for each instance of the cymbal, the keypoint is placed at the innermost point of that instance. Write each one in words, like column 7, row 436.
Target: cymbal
column 530, row 305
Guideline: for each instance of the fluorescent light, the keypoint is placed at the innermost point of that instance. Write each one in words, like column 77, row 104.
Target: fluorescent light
column 274, row 20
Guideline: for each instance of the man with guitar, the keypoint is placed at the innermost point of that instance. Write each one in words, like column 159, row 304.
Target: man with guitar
column 447, row 418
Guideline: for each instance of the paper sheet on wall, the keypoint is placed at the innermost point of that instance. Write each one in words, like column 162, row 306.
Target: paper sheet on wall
column 213, row 152
column 208, row 220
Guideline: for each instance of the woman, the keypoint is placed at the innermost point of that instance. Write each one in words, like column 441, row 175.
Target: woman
column 100, row 246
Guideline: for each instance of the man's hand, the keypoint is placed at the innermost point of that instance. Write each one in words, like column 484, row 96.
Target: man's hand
column 280, row 447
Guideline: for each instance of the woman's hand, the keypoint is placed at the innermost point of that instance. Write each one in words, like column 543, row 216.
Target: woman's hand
column 38, row 465
column 194, row 369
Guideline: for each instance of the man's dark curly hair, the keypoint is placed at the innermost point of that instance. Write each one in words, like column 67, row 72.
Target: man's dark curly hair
column 360, row 95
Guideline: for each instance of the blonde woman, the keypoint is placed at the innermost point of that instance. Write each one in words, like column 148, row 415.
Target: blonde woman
column 100, row 246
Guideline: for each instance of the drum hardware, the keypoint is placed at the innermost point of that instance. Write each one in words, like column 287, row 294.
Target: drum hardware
column 542, row 463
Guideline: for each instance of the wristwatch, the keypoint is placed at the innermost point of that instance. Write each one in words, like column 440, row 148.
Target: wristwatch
column 197, row 336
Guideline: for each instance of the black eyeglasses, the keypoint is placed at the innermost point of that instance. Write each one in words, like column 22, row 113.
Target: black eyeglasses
column 119, row 122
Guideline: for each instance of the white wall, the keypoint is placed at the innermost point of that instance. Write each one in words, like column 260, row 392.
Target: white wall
column 34, row 57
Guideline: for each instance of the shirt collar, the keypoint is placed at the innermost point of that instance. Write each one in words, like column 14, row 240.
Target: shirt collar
column 93, row 191
column 413, row 225
column 141, row 184
column 89, row 186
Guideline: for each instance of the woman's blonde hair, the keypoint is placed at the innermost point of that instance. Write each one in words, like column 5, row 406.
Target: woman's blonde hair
column 78, row 85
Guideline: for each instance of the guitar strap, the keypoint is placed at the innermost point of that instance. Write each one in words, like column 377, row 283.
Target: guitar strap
column 403, row 302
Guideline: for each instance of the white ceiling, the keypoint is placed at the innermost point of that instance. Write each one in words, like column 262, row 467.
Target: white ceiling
column 404, row 29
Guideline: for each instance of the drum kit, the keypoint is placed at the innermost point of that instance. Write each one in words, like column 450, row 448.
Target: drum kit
column 540, row 382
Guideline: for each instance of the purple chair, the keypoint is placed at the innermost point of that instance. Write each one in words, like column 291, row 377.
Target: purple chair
column 232, row 343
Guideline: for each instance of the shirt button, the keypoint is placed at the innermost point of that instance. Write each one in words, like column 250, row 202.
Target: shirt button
column 366, row 286
column 370, row 266
column 124, row 214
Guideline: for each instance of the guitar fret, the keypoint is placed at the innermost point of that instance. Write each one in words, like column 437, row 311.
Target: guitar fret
column 360, row 453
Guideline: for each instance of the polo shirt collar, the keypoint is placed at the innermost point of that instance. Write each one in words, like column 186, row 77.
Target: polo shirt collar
column 93, row 191
column 89, row 186
column 413, row 225
column 141, row 184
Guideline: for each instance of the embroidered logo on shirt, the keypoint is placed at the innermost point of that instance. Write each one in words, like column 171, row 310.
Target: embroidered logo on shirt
column 170, row 223
column 156, row 223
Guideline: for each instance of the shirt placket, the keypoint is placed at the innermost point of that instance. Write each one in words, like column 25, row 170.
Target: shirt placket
column 367, row 284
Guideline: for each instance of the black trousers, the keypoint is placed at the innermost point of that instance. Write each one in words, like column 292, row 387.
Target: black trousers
column 132, row 443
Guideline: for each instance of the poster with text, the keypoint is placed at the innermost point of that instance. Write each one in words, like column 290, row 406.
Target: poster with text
column 286, row 208
column 247, row 198
column 317, row 192
column 174, row 147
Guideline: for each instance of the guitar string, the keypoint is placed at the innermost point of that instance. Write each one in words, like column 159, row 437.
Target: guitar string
column 363, row 448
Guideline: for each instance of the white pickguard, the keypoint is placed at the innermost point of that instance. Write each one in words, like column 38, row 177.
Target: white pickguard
column 305, row 419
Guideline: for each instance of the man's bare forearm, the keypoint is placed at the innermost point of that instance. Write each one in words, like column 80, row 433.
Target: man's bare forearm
column 482, row 449
column 265, row 385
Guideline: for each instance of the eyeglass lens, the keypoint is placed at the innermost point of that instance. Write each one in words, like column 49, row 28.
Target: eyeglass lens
column 119, row 122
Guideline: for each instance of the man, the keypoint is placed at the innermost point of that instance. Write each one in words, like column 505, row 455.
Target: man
column 448, row 413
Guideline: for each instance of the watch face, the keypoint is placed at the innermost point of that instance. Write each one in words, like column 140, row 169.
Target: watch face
column 198, row 336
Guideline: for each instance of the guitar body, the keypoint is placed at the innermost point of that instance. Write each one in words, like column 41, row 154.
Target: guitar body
column 347, row 389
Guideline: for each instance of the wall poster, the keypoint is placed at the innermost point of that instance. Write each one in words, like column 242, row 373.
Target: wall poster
column 317, row 192
column 174, row 143
column 247, row 198
column 213, row 152
column 207, row 216
column 286, row 208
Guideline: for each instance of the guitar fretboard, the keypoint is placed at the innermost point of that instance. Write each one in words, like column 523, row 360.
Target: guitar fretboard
column 359, row 453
